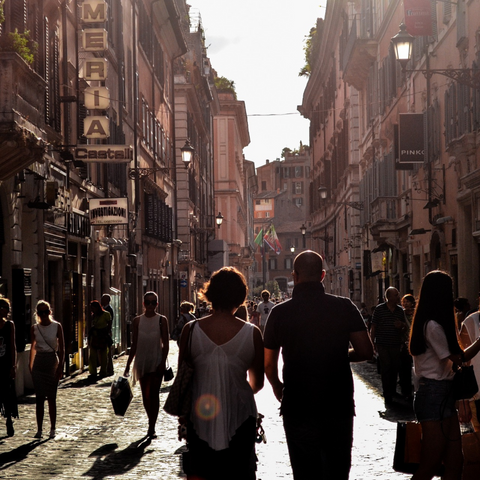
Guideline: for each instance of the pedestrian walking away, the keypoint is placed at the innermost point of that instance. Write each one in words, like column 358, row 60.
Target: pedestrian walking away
column 221, row 427
column 105, row 302
column 99, row 340
column 313, row 331
column 47, row 354
column 434, row 345
column 387, row 332
column 406, row 362
column 8, row 366
column 150, row 350
column 186, row 315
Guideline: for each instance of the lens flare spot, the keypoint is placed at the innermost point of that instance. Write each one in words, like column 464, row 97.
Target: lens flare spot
column 207, row 407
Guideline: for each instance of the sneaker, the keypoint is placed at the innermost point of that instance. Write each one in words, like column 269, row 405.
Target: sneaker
column 10, row 430
column 38, row 434
column 52, row 433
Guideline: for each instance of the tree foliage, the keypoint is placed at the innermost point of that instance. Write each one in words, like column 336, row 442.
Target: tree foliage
column 306, row 70
column 19, row 43
column 224, row 85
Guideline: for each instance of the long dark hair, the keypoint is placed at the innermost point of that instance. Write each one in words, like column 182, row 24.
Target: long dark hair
column 435, row 303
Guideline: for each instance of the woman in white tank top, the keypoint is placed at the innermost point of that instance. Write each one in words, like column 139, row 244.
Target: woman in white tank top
column 150, row 350
column 47, row 354
column 221, row 427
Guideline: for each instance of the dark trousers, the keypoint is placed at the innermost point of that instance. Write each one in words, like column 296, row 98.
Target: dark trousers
column 319, row 448
column 389, row 366
column 405, row 372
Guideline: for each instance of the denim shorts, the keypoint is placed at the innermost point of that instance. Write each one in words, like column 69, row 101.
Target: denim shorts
column 434, row 400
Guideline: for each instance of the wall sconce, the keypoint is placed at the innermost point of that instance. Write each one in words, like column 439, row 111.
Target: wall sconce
column 219, row 219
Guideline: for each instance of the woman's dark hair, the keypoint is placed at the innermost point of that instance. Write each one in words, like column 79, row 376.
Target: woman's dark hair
column 227, row 289
column 435, row 303
column 96, row 304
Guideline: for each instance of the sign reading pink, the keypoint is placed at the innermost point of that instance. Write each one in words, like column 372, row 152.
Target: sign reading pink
column 418, row 17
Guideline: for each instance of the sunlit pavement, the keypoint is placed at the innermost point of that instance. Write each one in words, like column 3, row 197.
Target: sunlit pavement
column 92, row 442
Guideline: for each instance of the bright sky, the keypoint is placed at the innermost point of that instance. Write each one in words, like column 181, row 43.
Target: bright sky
column 259, row 45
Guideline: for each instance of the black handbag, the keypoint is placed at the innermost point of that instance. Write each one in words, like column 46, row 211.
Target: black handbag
column 464, row 383
column 179, row 399
column 168, row 374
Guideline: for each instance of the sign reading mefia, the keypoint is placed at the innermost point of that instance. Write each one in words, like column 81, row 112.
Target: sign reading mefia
column 108, row 211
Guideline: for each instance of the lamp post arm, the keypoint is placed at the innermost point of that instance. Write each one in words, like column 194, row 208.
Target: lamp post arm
column 464, row 76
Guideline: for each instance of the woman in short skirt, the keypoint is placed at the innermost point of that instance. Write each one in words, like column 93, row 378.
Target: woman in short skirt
column 435, row 348
column 47, row 354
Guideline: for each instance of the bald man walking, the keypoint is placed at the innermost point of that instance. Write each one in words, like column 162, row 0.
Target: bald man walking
column 314, row 331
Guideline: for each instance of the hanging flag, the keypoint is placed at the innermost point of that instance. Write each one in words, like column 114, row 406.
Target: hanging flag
column 271, row 239
column 259, row 237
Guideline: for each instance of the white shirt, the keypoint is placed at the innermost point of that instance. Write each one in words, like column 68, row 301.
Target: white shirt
column 264, row 308
column 472, row 324
column 434, row 363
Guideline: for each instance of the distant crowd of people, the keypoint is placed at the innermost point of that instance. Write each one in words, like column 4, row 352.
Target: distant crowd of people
column 232, row 344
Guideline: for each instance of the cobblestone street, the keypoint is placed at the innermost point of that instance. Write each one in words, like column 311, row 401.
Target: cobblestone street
column 92, row 442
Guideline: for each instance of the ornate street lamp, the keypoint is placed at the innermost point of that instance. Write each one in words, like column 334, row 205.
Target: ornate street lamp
column 187, row 153
column 303, row 229
column 292, row 248
column 403, row 46
column 219, row 219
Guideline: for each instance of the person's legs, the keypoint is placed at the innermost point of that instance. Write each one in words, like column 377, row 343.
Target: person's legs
column 52, row 412
column 93, row 361
column 441, row 441
column 389, row 366
column 405, row 372
column 150, row 386
column 40, row 411
column 103, row 361
column 319, row 448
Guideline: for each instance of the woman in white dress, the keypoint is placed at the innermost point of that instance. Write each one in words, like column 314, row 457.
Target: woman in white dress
column 150, row 350
column 221, row 427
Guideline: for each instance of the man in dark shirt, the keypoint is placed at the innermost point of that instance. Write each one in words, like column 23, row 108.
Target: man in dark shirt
column 387, row 332
column 314, row 331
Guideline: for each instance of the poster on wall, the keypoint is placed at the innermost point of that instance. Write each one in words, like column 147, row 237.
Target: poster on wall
column 108, row 211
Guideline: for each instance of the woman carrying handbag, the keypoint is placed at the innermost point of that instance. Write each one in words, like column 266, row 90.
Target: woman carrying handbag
column 222, row 349
column 435, row 347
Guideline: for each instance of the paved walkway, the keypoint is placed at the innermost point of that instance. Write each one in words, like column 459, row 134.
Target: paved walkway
column 93, row 443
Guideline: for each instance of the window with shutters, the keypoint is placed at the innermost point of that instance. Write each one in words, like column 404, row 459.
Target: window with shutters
column 451, row 114
column 298, row 188
column 447, row 11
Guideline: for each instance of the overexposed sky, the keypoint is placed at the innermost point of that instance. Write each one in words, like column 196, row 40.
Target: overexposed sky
column 259, row 45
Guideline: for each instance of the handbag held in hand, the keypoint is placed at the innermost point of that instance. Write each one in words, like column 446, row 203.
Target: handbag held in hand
column 179, row 399
column 464, row 383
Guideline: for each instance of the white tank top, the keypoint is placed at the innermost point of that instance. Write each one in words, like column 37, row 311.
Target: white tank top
column 46, row 337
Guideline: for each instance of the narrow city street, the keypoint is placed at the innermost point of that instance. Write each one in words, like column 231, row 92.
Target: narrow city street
column 92, row 442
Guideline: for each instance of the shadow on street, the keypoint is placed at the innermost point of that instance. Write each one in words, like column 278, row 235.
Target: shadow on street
column 112, row 462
